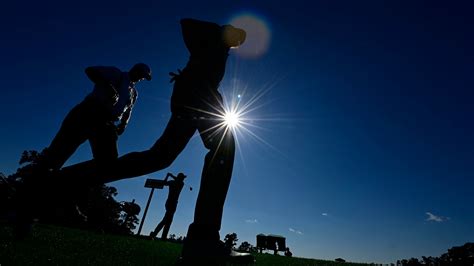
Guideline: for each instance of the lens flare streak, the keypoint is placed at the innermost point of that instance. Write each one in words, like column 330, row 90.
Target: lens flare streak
column 238, row 115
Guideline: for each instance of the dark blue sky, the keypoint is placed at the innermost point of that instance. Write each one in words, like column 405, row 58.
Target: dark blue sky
column 368, row 114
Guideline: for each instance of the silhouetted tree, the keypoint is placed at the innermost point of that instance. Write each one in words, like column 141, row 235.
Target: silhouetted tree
column 429, row 261
column 129, row 215
column 340, row 260
column 413, row 262
column 9, row 184
column 457, row 256
column 7, row 191
column 463, row 255
column 288, row 252
column 230, row 240
column 245, row 246
column 444, row 259
column 98, row 204
column 28, row 160
column 30, row 156
column 102, row 210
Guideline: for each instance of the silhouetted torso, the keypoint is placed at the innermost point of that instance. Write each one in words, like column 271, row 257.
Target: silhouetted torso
column 127, row 94
column 196, row 87
column 175, row 188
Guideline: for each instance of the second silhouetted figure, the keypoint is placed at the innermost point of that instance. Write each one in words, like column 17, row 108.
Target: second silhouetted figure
column 175, row 187
column 99, row 118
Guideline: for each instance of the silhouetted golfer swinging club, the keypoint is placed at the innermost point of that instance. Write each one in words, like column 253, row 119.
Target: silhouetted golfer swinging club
column 173, row 195
column 195, row 103
column 175, row 187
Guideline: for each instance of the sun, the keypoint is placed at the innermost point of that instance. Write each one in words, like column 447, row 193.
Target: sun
column 232, row 119
column 236, row 114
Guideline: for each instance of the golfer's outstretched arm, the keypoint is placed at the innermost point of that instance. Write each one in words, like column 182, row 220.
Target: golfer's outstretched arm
column 168, row 175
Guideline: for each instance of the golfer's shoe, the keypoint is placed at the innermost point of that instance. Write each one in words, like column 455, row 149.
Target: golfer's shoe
column 153, row 235
column 212, row 253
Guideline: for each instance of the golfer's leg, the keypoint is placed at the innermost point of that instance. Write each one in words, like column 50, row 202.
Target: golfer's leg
column 104, row 144
column 158, row 228
column 103, row 141
column 69, row 137
column 168, row 220
column 215, row 182
column 162, row 154
column 159, row 156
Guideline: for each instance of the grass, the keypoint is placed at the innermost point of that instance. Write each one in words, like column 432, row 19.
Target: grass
column 52, row 245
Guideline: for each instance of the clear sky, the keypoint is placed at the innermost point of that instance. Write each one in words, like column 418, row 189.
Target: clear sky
column 364, row 145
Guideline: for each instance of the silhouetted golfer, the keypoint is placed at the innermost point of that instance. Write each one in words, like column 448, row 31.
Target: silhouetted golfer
column 175, row 187
column 195, row 103
column 100, row 118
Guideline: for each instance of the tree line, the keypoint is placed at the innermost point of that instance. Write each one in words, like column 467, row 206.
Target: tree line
column 96, row 208
column 457, row 256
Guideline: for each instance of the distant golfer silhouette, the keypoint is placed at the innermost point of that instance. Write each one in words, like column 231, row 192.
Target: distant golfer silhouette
column 100, row 118
column 195, row 105
column 175, row 187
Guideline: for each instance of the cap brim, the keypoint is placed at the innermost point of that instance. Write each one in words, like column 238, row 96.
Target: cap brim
column 233, row 37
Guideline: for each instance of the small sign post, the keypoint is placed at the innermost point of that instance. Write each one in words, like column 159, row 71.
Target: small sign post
column 150, row 183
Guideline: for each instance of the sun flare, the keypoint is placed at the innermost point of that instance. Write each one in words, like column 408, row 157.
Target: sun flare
column 238, row 113
column 232, row 119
